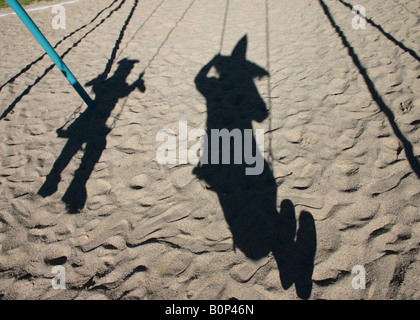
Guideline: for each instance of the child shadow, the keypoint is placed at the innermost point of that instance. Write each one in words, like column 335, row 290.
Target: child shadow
column 90, row 129
column 249, row 201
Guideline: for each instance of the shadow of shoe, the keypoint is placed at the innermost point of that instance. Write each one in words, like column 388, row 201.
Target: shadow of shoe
column 305, row 250
column 284, row 246
column 49, row 187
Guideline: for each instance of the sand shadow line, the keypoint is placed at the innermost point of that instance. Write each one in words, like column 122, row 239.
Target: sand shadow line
column 408, row 148
column 47, row 70
column 411, row 52
column 26, row 68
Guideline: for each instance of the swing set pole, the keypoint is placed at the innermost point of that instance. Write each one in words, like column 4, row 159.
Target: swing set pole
column 224, row 26
column 21, row 13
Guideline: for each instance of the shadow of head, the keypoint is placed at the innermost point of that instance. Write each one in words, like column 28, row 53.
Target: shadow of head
column 231, row 93
column 125, row 66
column 118, row 81
column 237, row 65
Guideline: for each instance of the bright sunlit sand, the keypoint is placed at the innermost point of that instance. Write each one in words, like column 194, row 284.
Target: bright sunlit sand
column 331, row 211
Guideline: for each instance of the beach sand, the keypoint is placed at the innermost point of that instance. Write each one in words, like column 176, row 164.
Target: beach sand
column 341, row 144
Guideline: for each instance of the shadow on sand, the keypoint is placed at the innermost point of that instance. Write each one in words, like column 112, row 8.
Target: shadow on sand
column 88, row 132
column 249, row 202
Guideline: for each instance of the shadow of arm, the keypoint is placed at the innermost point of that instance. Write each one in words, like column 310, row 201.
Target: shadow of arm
column 139, row 84
column 201, row 79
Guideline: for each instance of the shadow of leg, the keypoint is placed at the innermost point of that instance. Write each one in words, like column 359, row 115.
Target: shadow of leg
column 75, row 195
column 305, row 250
column 54, row 177
column 284, row 246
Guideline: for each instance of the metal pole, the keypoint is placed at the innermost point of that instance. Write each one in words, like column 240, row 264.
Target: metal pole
column 224, row 26
column 21, row 13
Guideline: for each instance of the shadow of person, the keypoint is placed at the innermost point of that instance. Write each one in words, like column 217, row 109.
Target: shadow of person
column 243, row 181
column 90, row 129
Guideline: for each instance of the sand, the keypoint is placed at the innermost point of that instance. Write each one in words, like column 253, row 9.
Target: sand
column 341, row 182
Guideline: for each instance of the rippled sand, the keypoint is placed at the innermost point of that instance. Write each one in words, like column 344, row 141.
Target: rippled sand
column 341, row 139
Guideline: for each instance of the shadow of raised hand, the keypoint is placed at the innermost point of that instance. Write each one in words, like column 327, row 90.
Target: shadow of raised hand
column 249, row 201
column 90, row 130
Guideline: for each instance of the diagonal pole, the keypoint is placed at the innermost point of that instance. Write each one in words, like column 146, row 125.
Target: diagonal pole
column 224, row 25
column 270, row 105
column 21, row 13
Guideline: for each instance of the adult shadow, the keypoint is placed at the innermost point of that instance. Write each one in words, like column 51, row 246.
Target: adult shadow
column 88, row 132
column 248, row 191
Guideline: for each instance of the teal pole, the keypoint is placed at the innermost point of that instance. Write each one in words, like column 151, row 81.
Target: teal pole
column 21, row 13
